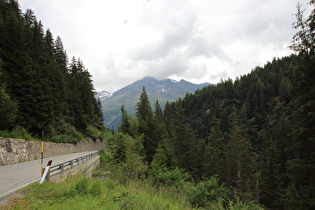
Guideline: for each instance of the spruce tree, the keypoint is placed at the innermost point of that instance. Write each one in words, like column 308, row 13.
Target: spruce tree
column 160, row 127
column 125, row 124
column 8, row 107
column 270, row 177
column 146, row 125
column 184, row 146
column 239, row 160
column 215, row 153
column 301, row 167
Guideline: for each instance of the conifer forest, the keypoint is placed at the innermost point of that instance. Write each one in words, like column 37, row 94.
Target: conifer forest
column 40, row 89
column 255, row 134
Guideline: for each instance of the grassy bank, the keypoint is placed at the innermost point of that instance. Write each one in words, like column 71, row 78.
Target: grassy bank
column 131, row 184
column 90, row 193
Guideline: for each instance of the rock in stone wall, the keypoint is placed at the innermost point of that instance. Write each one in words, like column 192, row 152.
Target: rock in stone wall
column 20, row 150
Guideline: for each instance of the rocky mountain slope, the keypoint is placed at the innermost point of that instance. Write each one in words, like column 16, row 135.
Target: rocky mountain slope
column 161, row 90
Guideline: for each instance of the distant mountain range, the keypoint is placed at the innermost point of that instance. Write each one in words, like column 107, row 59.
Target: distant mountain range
column 161, row 90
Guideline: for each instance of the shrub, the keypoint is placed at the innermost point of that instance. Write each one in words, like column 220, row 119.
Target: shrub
column 63, row 132
column 127, row 154
column 18, row 133
column 171, row 178
column 207, row 192
column 239, row 205
column 81, row 187
column 93, row 132
column 106, row 160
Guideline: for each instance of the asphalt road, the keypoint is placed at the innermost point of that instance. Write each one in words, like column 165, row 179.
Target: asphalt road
column 17, row 176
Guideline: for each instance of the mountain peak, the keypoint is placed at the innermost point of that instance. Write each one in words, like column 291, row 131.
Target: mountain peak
column 103, row 94
column 161, row 90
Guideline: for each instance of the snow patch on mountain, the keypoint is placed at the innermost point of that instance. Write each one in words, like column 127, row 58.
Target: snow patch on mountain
column 103, row 94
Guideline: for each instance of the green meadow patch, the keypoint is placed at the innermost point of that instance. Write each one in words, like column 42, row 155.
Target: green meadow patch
column 89, row 193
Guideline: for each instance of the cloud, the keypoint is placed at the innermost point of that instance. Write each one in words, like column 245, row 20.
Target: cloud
column 200, row 41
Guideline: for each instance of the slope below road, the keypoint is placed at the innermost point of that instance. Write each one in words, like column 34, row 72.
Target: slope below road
column 17, row 176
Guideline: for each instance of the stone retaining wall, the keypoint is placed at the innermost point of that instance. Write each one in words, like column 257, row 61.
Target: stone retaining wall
column 20, row 150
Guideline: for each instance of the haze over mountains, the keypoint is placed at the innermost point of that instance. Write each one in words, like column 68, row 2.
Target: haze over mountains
column 161, row 90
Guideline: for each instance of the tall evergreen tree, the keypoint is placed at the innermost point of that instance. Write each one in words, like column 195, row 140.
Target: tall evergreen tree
column 125, row 124
column 240, row 159
column 146, row 125
column 184, row 146
column 8, row 107
column 160, row 127
column 301, row 168
column 215, row 153
column 270, row 177
column 37, row 78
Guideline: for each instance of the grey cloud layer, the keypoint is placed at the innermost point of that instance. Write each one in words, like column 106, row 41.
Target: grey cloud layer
column 197, row 40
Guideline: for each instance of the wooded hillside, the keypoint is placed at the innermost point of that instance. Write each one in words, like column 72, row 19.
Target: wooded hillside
column 256, row 133
column 40, row 90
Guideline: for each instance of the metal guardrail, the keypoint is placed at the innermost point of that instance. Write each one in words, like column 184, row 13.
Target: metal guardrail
column 62, row 167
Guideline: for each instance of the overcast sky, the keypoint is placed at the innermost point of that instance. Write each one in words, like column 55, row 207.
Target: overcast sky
column 121, row 41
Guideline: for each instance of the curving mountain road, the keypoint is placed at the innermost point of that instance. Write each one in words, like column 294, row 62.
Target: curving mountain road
column 17, row 176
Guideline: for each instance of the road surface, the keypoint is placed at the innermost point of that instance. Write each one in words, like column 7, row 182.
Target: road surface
column 17, row 176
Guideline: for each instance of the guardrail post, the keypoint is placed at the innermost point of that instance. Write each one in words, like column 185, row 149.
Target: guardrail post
column 46, row 172
column 62, row 168
column 71, row 164
column 78, row 160
column 48, row 175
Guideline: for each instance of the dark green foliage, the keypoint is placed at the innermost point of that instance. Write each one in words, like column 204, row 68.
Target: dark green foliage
column 270, row 177
column 255, row 133
column 215, row 154
column 240, row 160
column 127, row 153
column 159, row 163
column 207, row 192
column 146, row 125
column 81, row 187
column 125, row 124
column 171, row 178
column 185, row 147
column 18, row 132
column 8, row 110
column 301, row 163
column 37, row 78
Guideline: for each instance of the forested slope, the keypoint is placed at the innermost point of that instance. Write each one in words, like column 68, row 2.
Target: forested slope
column 256, row 133
column 39, row 90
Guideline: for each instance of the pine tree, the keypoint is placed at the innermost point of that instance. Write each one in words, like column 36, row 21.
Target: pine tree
column 184, row 146
column 301, row 168
column 240, row 160
column 146, row 125
column 125, row 125
column 270, row 177
column 215, row 153
column 160, row 127
column 8, row 107
column 37, row 78
column 60, row 53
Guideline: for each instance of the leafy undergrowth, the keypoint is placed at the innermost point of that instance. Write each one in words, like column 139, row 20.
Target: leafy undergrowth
column 89, row 193
column 123, row 188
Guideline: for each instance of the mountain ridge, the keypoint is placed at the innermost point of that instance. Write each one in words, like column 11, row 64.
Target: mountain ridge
column 162, row 90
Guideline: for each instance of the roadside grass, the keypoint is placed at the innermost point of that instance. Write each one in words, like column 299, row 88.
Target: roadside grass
column 88, row 193
column 164, row 189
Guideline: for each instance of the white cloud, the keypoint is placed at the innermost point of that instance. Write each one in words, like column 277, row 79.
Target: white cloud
column 202, row 41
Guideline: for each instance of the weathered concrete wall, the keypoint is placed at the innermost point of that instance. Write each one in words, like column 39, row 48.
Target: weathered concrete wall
column 85, row 169
column 20, row 150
